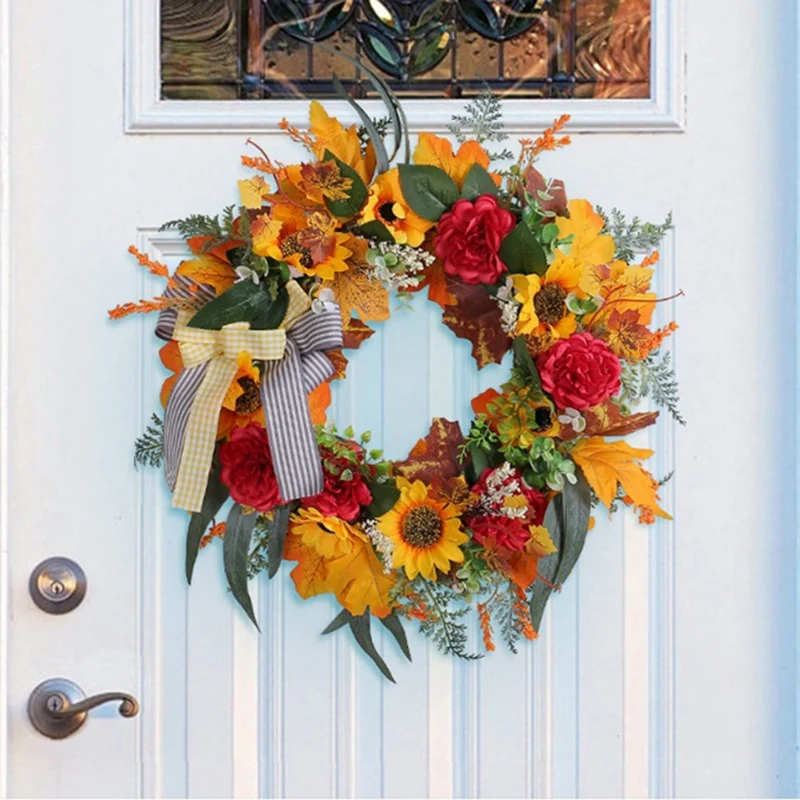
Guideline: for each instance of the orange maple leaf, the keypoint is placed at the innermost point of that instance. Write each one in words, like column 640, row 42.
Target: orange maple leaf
column 356, row 292
column 434, row 459
column 209, row 270
column 318, row 402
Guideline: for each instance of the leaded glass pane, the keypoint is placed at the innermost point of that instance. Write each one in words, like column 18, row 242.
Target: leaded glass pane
column 256, row 49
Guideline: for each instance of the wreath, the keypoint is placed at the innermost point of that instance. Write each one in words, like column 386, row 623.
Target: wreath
column 257, row 323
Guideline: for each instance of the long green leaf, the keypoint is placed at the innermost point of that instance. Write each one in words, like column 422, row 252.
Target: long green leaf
column 548, row 566
column 396, row 113
column 575, row 510
column 235, row 555
column 216, row 494
column 277, row 537
column 524, row 361
column 393, row 624
column 339, row 621
column 360, row 628
column 381, row 157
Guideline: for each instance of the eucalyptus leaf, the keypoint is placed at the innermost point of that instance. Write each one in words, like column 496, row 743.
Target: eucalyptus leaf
column 384, row 496
column 428, row 190
column 361, row 632
column 243, row 302
column 524, row 361
column 216, row 494
column 548, row 565
column 235, row 556
column 478, row 182
column 277, row 537
column 356, row 196
column 394, row 625
column 521, row 252
column 576, row 504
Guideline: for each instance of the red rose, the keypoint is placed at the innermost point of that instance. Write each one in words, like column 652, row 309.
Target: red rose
column 341, row 498
column 495, row 484
column 469, row 236
column 579, row 372
column 508, row 533
column 247, row 468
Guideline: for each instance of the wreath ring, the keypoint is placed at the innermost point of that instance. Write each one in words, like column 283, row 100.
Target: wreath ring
column 256, row 325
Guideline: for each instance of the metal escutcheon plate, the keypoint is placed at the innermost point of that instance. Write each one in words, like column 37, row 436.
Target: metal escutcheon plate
column 57, row 585
column 53, row 695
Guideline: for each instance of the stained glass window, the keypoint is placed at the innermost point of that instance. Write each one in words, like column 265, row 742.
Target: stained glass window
column 261, row 49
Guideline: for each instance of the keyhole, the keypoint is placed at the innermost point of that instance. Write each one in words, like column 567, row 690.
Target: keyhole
column 54, row 703
column 57, row 588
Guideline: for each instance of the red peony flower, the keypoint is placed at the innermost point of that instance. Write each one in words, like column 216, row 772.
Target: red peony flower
column 469, row 236
column 579, row 372
column 341, row 498
column 247, row 468
column 508, row 533
column 494, row 483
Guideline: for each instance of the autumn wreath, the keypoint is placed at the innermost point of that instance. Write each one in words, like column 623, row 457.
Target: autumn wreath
column 256, row 324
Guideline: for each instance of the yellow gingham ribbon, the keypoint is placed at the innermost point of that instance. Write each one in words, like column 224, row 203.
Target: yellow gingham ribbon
column 221, row 349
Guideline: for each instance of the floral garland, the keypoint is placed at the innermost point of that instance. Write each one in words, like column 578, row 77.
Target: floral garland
column 256, row 324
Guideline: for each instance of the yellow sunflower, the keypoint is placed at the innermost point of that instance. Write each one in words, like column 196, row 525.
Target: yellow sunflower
column 426, row 532
column 387, row 205
column 544, row 312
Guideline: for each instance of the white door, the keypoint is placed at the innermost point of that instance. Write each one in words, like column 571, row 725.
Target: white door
column 667, row 666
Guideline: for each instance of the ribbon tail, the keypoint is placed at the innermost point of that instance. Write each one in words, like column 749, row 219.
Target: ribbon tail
column 176, row 417
column 293, row 443
column 201, row 435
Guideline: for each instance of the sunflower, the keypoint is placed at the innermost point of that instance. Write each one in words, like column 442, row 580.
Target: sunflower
column 544, row 313
column 387, row 205
column 425, row 531
column 308, row 242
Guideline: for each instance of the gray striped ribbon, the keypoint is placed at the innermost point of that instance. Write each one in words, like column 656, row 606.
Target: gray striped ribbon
column 285, row 385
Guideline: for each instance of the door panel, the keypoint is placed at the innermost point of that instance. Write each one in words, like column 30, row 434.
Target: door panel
column 667, row 664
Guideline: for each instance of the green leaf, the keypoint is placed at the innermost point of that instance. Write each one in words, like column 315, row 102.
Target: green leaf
column 243, row 302
column 393, row 624
column 524, row 361
column 521, row 252
column 341, row 619
column 357, row 195
column 375, row 230
column 480, row 459
column 360, row 628
column 235, row 555
column 216, row 494
column 549, row 232
column 277, row 537
column 381, row 157
column 477, row 183
column 567, row 521
column 576, row 504
column 384, row 496
column 428, row 190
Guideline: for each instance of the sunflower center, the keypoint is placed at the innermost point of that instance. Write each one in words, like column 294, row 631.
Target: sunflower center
column 291, row 245
column 422, row 527
column 250, row 401
column 386, row 212
column 549, row 303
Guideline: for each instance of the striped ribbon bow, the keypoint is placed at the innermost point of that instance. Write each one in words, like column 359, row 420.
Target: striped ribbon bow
column 295, row 364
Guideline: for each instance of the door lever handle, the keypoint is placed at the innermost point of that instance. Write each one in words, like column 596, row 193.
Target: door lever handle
column 58, row 707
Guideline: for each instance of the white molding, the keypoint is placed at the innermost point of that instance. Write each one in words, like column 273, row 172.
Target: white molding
column 146, row 112
column 5, row 330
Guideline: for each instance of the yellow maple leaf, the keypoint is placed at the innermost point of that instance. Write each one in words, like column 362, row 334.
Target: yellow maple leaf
column 438, row 152
column 359, row 582
column 310, row 574
column 605, row 464
column 356, row 291
column 210, row 270
column 540, row 544
column 252, row 191
column 585, row 225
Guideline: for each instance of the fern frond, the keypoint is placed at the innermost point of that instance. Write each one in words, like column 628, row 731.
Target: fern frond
column 482, row 121
column 149, row 447
column 635, row 236
column 653, row 378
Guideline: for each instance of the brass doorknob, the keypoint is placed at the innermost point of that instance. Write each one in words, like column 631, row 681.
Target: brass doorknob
column 58, row 707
